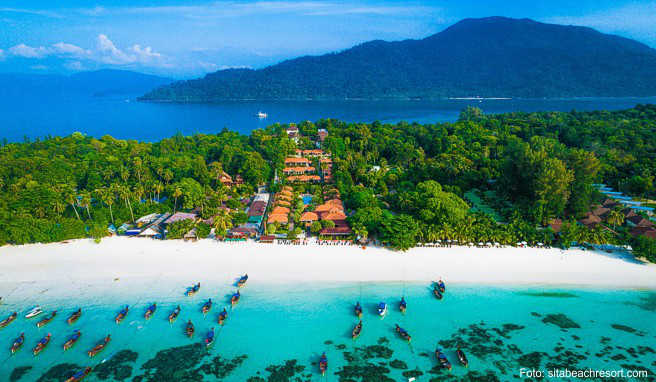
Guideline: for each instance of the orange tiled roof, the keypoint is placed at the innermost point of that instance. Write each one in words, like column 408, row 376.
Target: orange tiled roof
column 333, row 216
column 280, row 210
column 309, row 216
column 296, row 160
column 278, row 218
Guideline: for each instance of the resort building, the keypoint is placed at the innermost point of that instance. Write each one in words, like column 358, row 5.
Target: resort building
column 227, row 180
column 308, row 218
column 322, row 134
column 292, row 131
column 178, row 216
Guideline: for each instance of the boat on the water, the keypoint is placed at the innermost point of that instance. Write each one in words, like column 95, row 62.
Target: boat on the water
column 436, row 292
column 223, row 316
column 150, row 311
column 72, row 339
column 193, row 290
column 74, row 316
column 235, row 298
column 462, row 357
column 189, row 329
column 403, row 333
column 121, row 315
column 261, row 115
column 242, row 280
column 174, row 315
column 79, row 375
column 358, row 310
column 403, row 305
column 34, row 312
column 207, row 306
column 441, row 286
column 382, row 309
column 43, row 342
column 357, row 330
column 209, row 339
column 441, row 358
column 8, row 320
column 18, row 343
column 323, row 364
column 98, row 348
column 46, row 319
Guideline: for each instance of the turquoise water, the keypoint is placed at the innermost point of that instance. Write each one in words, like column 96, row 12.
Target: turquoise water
column 307, row 199
column 34, row 114
column 277, row 332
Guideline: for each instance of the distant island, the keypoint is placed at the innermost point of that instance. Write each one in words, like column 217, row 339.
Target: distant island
column 487, row 57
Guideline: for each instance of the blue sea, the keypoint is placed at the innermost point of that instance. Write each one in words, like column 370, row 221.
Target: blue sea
column 36, row 115
column 277, row 332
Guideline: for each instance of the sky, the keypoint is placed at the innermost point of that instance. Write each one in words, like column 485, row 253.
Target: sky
column 186, row 39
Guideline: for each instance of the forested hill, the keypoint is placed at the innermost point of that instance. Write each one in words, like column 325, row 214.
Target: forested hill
column 489, row 57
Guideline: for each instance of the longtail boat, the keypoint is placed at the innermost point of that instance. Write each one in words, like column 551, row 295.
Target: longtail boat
column 189, row 330
column 441, row 286
column 79, row 375
column 323, row 364
column 357, row 330
column 462, row 357
column 235, row 298
column 403, row 333
column 382, row 309
column 223, row 316
column 174, row 315
column 72, row 339
column 150, row 311
column 193, row 290
column 8, row 320
column 207, row 306
column 242, row 281
column 441, row 358
column 403, row 305
column 358, row 310
column 98, row 348
column 18, row 343
column 43, row 342
column 437, row 293
column 209, row 338
column 34, row 312
column 121, row 315
column 47, row 319
column 74, row 316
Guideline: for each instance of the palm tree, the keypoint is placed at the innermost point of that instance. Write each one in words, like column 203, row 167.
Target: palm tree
column 216, row 170
column 158, row 187
column 615, row 218
column 70, row 197
column 222, row 223
column 107, row 197
column 124, row 192
column 85, row 201
column 177, row 192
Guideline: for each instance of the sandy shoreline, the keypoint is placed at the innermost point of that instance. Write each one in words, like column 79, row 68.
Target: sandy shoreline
column 119, row 257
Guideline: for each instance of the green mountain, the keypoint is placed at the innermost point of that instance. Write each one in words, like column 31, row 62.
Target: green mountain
column 488, row 57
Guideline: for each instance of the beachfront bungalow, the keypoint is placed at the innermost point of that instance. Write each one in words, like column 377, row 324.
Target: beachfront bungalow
column 308, row 218
column 638, row 221
column 148, row 219
column 242, row 231
column 591, row 220
column 333, row 216
column 267, row 239
column 342, row 232
column 602, row 212
column 178, row 216
column 152, row 232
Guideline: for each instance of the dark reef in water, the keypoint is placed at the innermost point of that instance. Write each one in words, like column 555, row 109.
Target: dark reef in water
column 628, row 329
column 398, row 364
column 18, row 373
column 647, row 303
column 60, row 372
column 560, row 320
column 548, row 294
column 117, row 367
column 282, row 373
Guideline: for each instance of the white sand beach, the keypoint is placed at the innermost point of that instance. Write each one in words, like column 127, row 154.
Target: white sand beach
column 136, row 258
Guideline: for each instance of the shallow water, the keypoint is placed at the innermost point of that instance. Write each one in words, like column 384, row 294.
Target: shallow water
column 277, row 332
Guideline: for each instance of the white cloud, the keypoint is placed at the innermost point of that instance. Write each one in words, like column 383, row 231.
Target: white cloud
column 110, row 54
column 26, row 51
column 145, row 54
column 70, row 49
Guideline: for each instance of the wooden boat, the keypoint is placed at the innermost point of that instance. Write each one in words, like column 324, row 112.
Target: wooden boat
column 323, row 364
column 74, row 316
column 193, row 290
column 42, row 344
column 403, row 333
column 382, row 309
column 242, row 281
column 174, row 315
column 441, row 358
column 18, row 343
column 223, row 316
column 98, row 348
column 441, row 286
column 207, row 306
column 34, row 312
column 462, row 357
column 121, row 315
column 358, row 310
column 235, row 298
column 8, row 320
column 189, row 330
column 47, row 319
column 79, row 375
column 437, row 293
column 150, row 311
column 357, row 330
column 403, row 305
column 72, row 340
column 209, row 338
